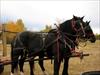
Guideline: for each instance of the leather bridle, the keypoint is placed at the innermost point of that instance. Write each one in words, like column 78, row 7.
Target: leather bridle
column 73, row 23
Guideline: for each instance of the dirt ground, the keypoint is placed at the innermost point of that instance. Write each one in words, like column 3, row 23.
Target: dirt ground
column 76, row 66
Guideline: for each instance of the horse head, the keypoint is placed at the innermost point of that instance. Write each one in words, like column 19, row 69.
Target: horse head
column 83, row 29
column 73, row 26
column 88, row 32
column 77, row 25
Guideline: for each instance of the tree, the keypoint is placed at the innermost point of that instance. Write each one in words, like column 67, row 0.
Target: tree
column 97, row 36
column 47, row 28
column 13, row 28
column 20, row 25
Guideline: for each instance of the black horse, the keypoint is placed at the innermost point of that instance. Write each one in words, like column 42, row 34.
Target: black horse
column 58, row 43
column 64, row 41
column 25, row 44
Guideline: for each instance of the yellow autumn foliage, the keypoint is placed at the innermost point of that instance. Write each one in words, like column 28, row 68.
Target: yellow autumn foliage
column 13, row 28
column 47, row 28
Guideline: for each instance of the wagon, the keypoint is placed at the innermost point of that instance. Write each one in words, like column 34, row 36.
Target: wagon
column 4, row 61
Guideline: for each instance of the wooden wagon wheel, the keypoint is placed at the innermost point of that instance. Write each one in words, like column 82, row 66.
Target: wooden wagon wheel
column 91, row 73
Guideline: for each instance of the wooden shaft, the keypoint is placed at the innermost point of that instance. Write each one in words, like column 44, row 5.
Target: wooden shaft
column 7, row 62
column 4, row 40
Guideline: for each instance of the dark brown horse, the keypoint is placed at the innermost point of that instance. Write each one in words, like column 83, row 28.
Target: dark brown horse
column 64, row 41
column 58, row 44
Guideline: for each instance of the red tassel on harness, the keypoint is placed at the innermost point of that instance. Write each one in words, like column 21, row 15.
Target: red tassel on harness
column 72, row 50
column 74, row 53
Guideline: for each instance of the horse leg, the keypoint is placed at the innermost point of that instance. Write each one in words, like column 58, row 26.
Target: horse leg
column 14, row 64
column 21, row 64
column 31, row 62
column 56, row 66
column 41, row 56
column 14, row 67
column 65, row 69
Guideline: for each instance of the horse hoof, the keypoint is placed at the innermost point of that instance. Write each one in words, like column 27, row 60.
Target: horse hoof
column 21, row 73
column 12, row 74
column 45, row 73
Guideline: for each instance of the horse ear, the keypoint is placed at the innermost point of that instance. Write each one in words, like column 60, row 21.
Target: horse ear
column 82, row 18
column 89, row 21
column 86, row 22
column 74, row 17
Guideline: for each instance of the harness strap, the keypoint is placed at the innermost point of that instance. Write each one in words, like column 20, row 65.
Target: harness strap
column 53, row 42
column 73, row 25
column 58, row 45
column 20, row 43
column 82, row 29
column 18, row 39
column 77, row 30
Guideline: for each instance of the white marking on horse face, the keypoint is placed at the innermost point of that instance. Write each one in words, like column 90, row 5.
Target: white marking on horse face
column 45, row 73
column 21, row 73
column 12, row 73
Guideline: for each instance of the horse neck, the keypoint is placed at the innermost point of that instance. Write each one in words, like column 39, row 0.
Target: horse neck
column 66, row 27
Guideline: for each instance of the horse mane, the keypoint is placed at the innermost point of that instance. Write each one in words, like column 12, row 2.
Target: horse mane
column 66, row 27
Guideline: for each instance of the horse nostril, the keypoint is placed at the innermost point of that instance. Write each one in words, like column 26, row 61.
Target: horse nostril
column 93, row 40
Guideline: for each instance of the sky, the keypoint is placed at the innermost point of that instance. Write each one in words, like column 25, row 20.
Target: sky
column 36, row 14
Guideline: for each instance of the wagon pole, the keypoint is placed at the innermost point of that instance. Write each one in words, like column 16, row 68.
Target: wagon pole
column 8, row 61
column 4, row 40
column 46, row 58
